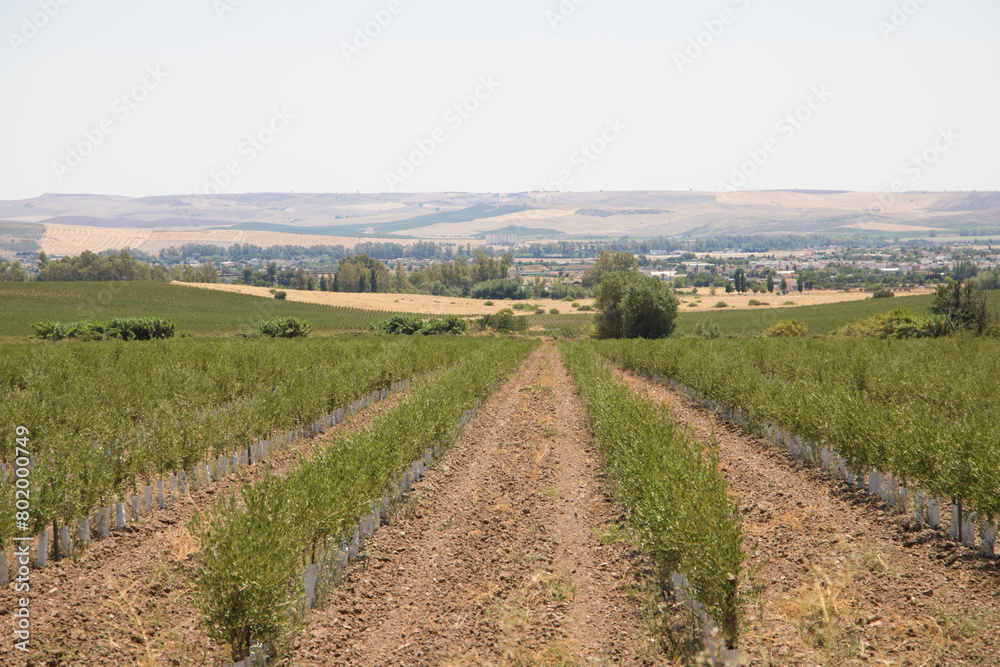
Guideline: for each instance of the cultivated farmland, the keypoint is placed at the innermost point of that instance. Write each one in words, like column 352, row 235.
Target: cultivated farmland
column 489, row 500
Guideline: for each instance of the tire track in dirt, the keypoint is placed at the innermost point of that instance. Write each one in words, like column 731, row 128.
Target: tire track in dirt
column 844, row 582
column 493, row 558
column 126, row 600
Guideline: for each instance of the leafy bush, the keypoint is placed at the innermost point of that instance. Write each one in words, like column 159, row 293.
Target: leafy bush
column 586, row 309
column 883, row 294
column 504, row 321
column 248, row 579
column 133, row 328
column 721, row 304
column 488, row 303
column 632, row 305
column 901, row 323
column 706, row 329
column 285, row 327
column 452, row 324
column 281, row 296
column 787, row 329
column 408, row 326
column 398, row 324
column 553, row 311
column 753, row 302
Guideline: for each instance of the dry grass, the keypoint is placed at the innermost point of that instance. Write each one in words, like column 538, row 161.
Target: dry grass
column 406, row 303
column 694, row 303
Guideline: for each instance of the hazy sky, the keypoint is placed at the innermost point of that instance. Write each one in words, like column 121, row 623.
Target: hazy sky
column 143, row 98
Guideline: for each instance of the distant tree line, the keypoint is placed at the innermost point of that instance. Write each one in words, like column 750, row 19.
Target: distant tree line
column 121, row 266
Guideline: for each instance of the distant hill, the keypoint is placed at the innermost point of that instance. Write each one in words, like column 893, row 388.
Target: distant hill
column 76, row 222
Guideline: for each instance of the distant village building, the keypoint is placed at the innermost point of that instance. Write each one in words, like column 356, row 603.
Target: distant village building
column 501, row 239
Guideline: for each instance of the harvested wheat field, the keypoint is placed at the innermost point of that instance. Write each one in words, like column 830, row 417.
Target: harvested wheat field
column 703, row 301
column 391, row 303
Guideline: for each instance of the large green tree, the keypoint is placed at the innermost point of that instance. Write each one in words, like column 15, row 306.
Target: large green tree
column 608, row 262
column 632, row 305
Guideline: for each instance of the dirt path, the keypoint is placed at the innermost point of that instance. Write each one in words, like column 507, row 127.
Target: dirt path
column 845, row 582
column 126, row 600
column 494, row 558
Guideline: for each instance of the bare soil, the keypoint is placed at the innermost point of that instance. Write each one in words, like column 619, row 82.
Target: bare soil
column 127, row 599
column 845, row 581
column 495, row 557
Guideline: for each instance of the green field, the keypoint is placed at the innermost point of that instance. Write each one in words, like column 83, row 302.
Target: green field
column 195, row 311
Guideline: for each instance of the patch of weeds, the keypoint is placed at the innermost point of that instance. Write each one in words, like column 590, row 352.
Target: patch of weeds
column 551, row 431
column 410, row 509
column 956, row 625
column 609, row 534
column 551, row 492
column 556, row 587
column 448, row 525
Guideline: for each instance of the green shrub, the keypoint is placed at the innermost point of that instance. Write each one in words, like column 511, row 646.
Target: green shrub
column 721, row 304
column 248, row 579
column 883, row 294
column 504, row 321
column 398, row 324
column 787, row 329
column 408, row 326
column 488, row 303
column 586, row 309
column 553, row 311
column 281, row 296
column 706, row 329
column 133, row 328
column 451, row 324
column 753, row 302
column 285, row 327
column 901, row 323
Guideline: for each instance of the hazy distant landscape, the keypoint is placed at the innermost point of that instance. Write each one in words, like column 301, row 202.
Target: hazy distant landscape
column 69, row 224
